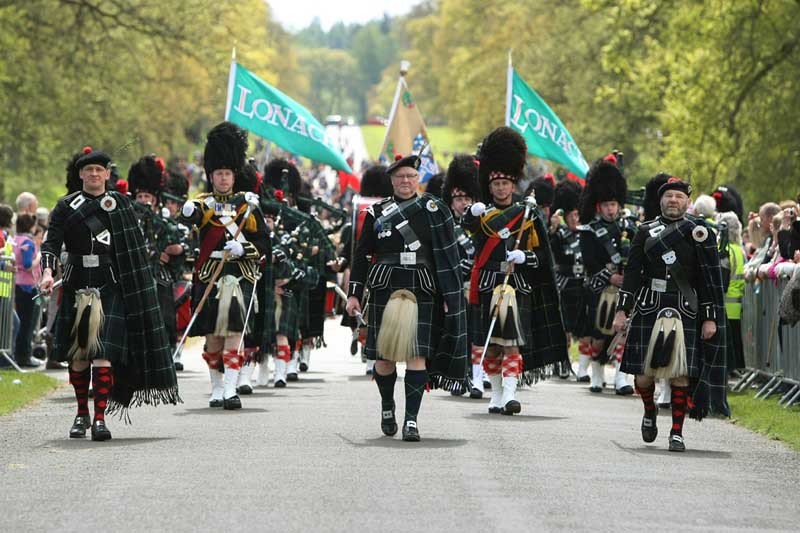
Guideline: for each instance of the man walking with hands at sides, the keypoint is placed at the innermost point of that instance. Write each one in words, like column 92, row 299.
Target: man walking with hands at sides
column 672, row 298
column 416, row 309
column 109, row 324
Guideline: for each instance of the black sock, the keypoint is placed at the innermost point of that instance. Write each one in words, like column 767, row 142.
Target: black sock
column 386, row 388
column 416, row 381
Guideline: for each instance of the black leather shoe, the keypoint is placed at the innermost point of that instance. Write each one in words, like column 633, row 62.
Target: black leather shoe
column 215, row 403
column 231, row 403
column 649, row 428
column 100, row 431
column 512, row 407
column 244, row 390
column 279, row 384
column 665, row 405
column 458, row 392
column 676, row 443
column 388, row 422
column 487, row 385
column 584, row 379
column 627, row 390
column 292, row 376
column 476, row 394
column 178, row 366
column 79, row 427
column 495, row 410
column 303, row 367
column 595, row 389
column 410, row 431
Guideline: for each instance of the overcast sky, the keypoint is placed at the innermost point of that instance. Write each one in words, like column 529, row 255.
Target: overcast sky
column 297, row 14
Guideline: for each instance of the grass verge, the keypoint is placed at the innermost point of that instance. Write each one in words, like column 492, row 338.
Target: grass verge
column 30, row 386
column 766, row 417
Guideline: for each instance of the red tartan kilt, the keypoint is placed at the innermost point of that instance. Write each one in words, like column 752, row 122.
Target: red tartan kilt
column 182, row 292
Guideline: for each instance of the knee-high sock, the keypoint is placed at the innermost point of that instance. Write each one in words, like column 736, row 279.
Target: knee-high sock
column 415, row 381
column 80, row 382
column 102, row 381
column 679, row 399
column 386, row 388
column 647, row 399
column 512, row 365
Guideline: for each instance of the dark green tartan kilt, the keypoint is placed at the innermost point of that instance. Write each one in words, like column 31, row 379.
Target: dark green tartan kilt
column 648, row 304
column 382, row 281
column 592, row 302
column 482, row 316
column 316, row 310
column 166, row 300
column 206, row 321
column 114, row 334
column 574, row 309
column 287, row 323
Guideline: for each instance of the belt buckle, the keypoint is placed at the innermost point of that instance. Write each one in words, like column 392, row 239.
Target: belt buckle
column 658, row 285
column 408, row 258
column 577, row 270
column 91, row 261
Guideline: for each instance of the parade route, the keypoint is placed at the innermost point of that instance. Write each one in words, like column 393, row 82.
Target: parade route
column 311, row 457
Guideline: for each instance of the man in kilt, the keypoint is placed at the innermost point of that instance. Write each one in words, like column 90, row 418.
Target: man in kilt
column 109, row 324
column 162, row 237
column 604, row 242
column 566, row 246
column 528, row 333
column 174, row 195
column 459, row 191
column 293, row 231
column 233, row 239
column 672, row 305
column 416, row 305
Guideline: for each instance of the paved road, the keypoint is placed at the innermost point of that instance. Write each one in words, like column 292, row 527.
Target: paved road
column 311, row 458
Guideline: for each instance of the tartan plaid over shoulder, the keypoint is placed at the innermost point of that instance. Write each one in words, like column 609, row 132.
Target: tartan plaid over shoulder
column 449, row 364
column 149, row 375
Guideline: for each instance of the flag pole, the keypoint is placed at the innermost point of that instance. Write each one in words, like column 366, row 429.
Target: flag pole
column 509, row 81
column 404, row 66
column 231, row 82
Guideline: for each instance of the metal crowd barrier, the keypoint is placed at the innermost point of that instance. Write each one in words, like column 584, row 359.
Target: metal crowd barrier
column 771, row 348
column 7, row 310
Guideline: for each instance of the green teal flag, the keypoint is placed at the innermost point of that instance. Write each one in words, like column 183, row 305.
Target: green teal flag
column 544, row 133
column 259, row 107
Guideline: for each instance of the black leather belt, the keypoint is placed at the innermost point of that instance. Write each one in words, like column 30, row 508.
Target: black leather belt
column 660, row 285
column 405, row 259
column 89, row 260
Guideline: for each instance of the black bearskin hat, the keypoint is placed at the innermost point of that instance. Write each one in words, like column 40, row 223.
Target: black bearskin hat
column 434, row 185
column 652, row 201
column 248, row 180
column 282, row 174
column 729, row 199
column 226, row 147
column 604, row 182
column 566, row 196
column 375, row 182
column 74, row 182
column 462, row 174
column 543, row 190
column 502, row 153
column 177, row 185
column 146, row 175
